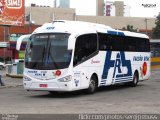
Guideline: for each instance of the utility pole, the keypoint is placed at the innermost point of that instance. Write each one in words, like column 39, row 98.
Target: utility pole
column 6, row 35
column 29, row 20
column 146, row 24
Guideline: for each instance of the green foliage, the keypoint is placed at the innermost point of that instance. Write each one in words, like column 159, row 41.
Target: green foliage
column 130, row 28
column 156, row 30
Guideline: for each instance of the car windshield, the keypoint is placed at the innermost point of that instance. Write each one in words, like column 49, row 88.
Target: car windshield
column 48, row 52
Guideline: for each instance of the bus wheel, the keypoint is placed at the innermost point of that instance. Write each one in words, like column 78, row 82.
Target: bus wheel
column 135, row 80
column 92, row 85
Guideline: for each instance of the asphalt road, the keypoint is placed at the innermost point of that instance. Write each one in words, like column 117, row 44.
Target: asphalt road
column 145, row 98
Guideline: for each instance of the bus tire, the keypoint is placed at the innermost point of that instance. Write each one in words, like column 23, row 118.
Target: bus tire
column 92, row 85
column 135, row 80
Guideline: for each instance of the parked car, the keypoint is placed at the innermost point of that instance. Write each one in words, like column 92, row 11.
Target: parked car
column 2, row 66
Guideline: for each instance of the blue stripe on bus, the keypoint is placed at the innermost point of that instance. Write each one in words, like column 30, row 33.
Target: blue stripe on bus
column 124, row 78
column 121, row 81
column 103, row 80
column 103, row 83
column 115, row 33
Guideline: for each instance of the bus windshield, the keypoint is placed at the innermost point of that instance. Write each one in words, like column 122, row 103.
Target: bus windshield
column 48, row 51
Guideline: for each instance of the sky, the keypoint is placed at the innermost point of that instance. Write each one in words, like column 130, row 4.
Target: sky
column 87, row 7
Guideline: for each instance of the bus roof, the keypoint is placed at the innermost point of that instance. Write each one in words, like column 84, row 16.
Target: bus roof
column 80, row 27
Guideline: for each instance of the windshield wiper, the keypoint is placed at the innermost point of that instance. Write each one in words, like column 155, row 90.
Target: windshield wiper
column 43, row 53
column 52, row 57
column 34, row 65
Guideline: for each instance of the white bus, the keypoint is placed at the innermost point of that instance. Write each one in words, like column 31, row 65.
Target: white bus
column 74, row 55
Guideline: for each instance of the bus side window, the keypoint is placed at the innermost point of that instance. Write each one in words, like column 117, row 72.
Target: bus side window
column 85, row 46
column 105, row 42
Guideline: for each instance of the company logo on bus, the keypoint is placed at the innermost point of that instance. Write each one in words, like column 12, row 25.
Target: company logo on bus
column 144, row 68
column 95, row 61
column 15, row 4
column 119, row 63
column 57, row 73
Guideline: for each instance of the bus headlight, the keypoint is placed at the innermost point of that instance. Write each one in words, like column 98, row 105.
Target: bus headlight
column 25, row 78
column 65, row 79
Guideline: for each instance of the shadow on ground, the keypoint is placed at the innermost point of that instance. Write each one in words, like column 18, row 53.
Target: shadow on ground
column 81, row 93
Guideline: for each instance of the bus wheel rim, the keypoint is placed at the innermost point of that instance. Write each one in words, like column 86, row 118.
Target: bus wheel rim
column 92, row 85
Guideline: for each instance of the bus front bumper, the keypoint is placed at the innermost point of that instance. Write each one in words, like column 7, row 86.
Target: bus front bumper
column 47, row 86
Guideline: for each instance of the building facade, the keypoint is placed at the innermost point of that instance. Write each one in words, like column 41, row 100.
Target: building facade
column 109, row 8
column 116, row 8
column 119, row 8
column 99, row 7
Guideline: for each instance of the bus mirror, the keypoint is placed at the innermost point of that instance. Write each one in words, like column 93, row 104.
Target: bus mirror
column 20, row 40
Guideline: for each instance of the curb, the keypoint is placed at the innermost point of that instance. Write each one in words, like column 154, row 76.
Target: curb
column 14, row 75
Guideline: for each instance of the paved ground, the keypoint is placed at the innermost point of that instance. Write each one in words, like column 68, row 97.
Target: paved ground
column 145, row 98
column 8, row 81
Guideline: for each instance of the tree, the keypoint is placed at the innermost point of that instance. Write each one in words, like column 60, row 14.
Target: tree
column 130, row 28
column 156, row 30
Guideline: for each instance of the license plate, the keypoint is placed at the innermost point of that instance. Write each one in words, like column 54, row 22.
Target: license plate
column 43, row 85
